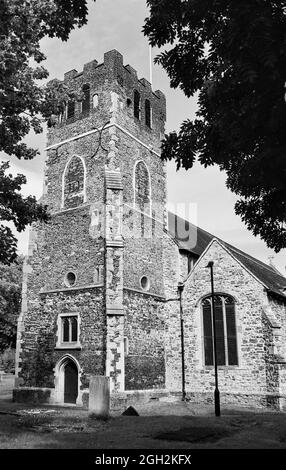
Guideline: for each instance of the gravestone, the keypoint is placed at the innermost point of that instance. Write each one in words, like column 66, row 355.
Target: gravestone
column 99, row 397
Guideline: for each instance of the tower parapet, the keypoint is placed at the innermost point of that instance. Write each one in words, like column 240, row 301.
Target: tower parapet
column 111, row 91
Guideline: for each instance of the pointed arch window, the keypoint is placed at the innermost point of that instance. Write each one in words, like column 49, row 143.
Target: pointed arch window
column 137, row 101
column 74, row 183
column 142, row 189
column 70, row 329
column 148, row 114
column 86, row 100
column 226, row 337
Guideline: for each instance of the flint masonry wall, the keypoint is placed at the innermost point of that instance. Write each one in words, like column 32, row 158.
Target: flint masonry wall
column 173, row 348
column 65, row 244
column 110, row 251
column 39, row 354
column 57, row 251
column 76, row 239
column 143, row 253
column 142, row 234
column 275, row 337
column 147, row 327
column 249, row 381
column 114, row 84
column 145, row 347
column 278, row 310
column 148, row 251
column 155, row 167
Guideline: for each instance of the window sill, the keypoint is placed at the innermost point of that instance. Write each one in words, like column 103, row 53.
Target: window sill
column 68, row 346
column 222, row 367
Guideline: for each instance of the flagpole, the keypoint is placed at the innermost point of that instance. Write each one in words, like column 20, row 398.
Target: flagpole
column 151, row 64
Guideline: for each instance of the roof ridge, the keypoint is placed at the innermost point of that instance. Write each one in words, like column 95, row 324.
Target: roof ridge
column 258, row 261
column 191, row 223
column 235, row 249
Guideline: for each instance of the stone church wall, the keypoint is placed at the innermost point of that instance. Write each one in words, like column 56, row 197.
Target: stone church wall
column 130, row 332
column 143, row 253
column 276, row 346
column 251, row 376
column 62, row 245
column 145, row 334
column 173, row 346
column 39, row 354
column 65, row 244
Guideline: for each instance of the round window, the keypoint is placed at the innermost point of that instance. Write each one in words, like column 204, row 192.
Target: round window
column 70, row 279
column 144, row 282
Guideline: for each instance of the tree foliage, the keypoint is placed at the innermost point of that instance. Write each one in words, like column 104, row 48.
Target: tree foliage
column 233, row 53
column 10, row 302
column 24, row 102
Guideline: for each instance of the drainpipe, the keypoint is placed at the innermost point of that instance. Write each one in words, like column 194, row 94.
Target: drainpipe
column 180, row 289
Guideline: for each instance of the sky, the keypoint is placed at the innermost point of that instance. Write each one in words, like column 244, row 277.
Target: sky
column 117, row 24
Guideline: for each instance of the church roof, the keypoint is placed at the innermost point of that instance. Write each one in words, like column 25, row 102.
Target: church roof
column 195, row 240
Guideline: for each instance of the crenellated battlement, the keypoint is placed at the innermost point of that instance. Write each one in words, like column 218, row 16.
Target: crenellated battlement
column 114, row 68
column 110, row 91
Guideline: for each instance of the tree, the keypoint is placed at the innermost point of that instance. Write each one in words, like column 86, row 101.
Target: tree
column 24, row 103
column 233, row 53
column 10, row 302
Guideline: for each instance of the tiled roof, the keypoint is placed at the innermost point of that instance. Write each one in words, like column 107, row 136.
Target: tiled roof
column 195, row 240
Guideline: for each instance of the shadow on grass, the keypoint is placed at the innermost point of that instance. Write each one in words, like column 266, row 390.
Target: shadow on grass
column 197, row 434
column 65, row 429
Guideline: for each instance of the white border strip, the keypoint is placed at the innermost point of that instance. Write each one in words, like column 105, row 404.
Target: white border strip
column 79, row 136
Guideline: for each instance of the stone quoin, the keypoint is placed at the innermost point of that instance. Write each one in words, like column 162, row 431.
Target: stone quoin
column 100, row 282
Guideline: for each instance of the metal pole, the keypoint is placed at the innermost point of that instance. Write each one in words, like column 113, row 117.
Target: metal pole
column 181, row 288
column 151, row 64
column 216, row 392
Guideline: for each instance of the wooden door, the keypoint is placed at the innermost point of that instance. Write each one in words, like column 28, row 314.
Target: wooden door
column 71, row 383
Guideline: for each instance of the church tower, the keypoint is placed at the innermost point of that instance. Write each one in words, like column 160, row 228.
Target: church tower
column 93, row 283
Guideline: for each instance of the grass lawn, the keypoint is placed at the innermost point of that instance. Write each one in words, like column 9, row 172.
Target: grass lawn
column 159, row 426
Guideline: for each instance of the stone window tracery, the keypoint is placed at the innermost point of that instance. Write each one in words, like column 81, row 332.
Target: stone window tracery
column 137, row 101
column 86, row 101
column 226, row 336
column 148, row 114
column 68, row 331
column 142, row 190
column 71, row 109
column 74, row 180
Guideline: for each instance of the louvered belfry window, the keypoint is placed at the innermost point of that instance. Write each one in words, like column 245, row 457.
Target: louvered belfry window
column 86, row 99
column 148, row 113
column 142, row 188
column 137, row 104
column 225, row 322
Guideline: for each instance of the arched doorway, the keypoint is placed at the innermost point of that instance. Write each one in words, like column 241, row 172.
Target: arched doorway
column 70, row 382
column 67, row 381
